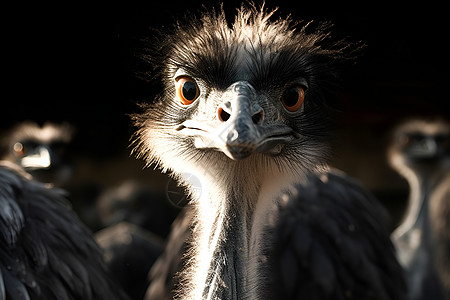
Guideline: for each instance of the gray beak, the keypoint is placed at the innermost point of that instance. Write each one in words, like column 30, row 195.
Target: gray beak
column 428, row 148
column 40, row 159
column 242, row 117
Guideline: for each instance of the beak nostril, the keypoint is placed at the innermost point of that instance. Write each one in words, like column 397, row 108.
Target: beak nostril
column 223, row 115
column 258, row 117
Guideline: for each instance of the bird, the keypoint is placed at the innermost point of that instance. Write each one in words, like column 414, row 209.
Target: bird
column 129, row 252
column 420, row 152
column 45, row 250
column 40, row 150
column 241, row 122
column 136, row 220
column 137, row 204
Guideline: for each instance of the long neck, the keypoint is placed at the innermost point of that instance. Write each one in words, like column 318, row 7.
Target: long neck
column 414, row 238
column 421, row 183
column 226, row 238
column 415, row 204
column 221, row 239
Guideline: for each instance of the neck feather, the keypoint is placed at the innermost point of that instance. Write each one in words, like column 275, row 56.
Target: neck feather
column 226, row 237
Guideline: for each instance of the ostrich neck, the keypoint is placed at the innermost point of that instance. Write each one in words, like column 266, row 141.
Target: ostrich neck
column 222, row 233
column 417, row 209
column 414, row 235
column 226, row 240
column 414, row 238
column 421, row 183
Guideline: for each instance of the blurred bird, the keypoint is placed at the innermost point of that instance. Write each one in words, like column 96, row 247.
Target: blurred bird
column 241, row 122
column 165, row 273
column 41, row 151
column 130, row 252
column 137, row 220
column 135, row 203
column 420, row 152
column 45, row 251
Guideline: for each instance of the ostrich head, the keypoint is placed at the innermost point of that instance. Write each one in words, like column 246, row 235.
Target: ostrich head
column 40, row 150
column 240, row 100
column 421, row 146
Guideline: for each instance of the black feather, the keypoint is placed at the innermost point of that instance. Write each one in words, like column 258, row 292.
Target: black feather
column 341, row 244
column 45, row 251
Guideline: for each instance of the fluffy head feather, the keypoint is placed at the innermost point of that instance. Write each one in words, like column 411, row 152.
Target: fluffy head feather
column 410, row 153
column 45, row 134
column 267, row 53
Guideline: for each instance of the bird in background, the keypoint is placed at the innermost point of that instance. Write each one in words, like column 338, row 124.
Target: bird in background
column 241, row 121
column 129, row 252
column 40, row 150
column 45, row 250
column 420, row 152
column 138, row 204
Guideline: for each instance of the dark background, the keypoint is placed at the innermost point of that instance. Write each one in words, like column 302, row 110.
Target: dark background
column 75, row 62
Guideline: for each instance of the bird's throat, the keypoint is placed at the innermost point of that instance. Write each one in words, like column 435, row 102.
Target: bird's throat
column 221, row 239
column 226, row 243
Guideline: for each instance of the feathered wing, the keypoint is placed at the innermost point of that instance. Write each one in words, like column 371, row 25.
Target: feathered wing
column 331, row 242
column 45, row 251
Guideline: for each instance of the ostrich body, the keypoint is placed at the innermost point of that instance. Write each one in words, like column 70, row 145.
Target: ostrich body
column 45, row 251
column 241, row 124
column 129, row 252
column 420, row 152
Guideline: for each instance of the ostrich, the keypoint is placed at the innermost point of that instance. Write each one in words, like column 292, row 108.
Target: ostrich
column 241, row 122
column 420, row 152
column 45, row 251
column 129, row 252
column 41, row 151
column 137, row 204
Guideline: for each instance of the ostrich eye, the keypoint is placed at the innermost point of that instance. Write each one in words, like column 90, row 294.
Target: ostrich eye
column 19, row 149
column 293, row 98
column 404, row 140
column 187, row 90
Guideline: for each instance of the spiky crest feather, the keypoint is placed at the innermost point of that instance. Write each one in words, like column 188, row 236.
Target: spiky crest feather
column 209, row 48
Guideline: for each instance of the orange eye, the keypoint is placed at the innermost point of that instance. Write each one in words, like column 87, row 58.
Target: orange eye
column 293, row 98
column 19, row 149
column 404, row 140
column 187, row 90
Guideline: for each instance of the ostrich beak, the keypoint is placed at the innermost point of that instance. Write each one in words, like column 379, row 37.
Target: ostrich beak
column 41, row 159
column 241, row 129
column 427, row 149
